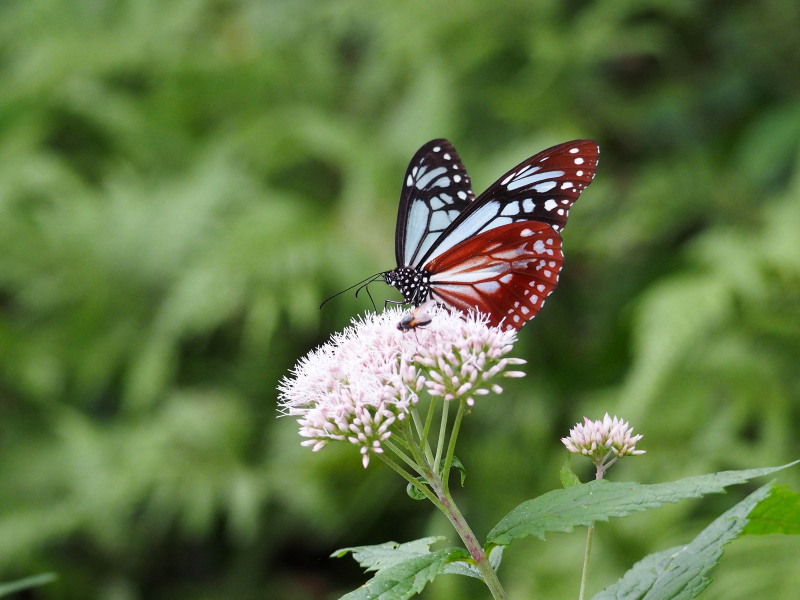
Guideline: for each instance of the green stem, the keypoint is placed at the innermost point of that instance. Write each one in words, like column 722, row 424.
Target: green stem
column 405, row 475
column 403, row 456
column 428, row 420
column 422, row 434
column 416, row 452
column 600, row 471
column 586, row 553
column 448, row 506
column 442, row 436
column 451, row 446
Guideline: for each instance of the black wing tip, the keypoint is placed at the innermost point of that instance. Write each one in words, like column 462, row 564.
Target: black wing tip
column 429, row 146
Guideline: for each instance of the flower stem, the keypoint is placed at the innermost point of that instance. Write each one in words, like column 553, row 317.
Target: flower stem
column 586, row 553
column 600, row 470
column 442, row 436
column 422, row 434
column 402, row 456
column 448, row 506
column 416, row 484
column 451, row 447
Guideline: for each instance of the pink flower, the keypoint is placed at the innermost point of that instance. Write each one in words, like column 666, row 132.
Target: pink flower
column 358, row 385
column 598, row 439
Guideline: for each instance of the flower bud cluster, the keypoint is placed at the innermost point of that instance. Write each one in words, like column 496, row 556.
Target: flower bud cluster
column 596, row 439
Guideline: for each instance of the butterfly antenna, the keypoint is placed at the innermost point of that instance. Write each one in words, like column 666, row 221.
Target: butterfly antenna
column 365, row 286
column 362, row 283
column 371, row 299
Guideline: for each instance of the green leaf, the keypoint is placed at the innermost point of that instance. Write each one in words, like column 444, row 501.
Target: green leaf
column 388, row 554
column 414, row 492
column 468, row 568
column 567, row 475
column 24, row 584
column 681, row 573
column 407, row 578
column 459, row 466
column 779, row 513
column 562, row 510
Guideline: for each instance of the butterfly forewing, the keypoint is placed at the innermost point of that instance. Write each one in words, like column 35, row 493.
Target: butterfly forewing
column 436, row 189
column 542, row 188
column 506, row 272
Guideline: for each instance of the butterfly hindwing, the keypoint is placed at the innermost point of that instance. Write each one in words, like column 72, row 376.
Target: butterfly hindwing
column 542, row 188
column 436, row 189
column 506, row 272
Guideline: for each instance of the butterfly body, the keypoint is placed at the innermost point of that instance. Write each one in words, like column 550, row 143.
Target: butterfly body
column 412, row 282
column 499, row 253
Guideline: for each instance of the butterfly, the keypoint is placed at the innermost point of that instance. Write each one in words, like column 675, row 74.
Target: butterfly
column 499, row 253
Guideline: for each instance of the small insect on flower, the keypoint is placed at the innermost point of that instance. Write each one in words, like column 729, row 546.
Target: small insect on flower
column 417, row 317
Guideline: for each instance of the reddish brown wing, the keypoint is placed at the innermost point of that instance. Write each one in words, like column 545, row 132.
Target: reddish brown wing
column 506, row 272
column 542, row 188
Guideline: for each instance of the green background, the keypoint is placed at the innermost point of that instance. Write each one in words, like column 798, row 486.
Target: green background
column 182, row 183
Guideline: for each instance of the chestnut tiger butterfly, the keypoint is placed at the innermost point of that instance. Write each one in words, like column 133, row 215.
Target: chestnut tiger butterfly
column 499, row 253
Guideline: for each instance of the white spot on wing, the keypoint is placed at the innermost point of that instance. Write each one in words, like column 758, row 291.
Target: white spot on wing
column 417, row 218
column 423, row 181
column 531, row 179
column 490, row 287
column 544, row 187
column 550, row 205
column 439, row 221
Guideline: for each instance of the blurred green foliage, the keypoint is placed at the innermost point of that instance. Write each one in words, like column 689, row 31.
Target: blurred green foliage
column 182, row 183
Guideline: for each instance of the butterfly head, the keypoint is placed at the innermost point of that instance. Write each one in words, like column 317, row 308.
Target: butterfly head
column 413, row 283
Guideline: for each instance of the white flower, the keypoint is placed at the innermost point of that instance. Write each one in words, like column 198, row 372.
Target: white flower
column 358, row 385
column 597, row 439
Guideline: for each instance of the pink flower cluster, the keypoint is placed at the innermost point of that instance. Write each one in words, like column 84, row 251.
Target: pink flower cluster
column 358, row 385
column 596, row 439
